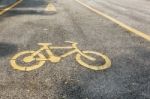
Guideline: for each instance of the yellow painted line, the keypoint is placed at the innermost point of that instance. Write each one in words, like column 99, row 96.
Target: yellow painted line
column 132, row 30
column 50, row 7
column 2, row 11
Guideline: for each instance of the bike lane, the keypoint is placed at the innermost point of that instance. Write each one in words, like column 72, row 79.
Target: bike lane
column 126, row 79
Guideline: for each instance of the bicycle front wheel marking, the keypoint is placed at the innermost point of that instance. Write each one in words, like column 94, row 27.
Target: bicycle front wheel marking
column 106, row 65
column 15, row 65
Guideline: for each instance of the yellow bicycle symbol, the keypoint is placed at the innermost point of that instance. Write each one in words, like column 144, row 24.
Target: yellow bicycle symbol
column 35, row 59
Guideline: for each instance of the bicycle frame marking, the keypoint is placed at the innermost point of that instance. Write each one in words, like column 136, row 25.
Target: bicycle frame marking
column 47, row 47
column 50, row 54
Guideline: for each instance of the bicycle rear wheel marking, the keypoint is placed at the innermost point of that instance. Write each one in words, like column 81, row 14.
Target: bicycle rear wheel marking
column 101, row 67
column 23, row 68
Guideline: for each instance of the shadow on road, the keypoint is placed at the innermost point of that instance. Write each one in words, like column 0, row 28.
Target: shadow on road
column 7, row 49
column 5, row 3
column 31, row 7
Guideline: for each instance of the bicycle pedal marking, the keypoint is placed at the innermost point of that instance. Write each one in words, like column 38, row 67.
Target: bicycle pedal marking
column 36, row 59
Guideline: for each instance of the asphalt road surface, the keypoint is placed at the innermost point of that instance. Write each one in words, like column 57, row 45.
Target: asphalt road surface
column 29, row 23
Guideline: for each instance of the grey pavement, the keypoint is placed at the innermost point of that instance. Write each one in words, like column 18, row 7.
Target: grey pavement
column 128, row 77
column 134, row 13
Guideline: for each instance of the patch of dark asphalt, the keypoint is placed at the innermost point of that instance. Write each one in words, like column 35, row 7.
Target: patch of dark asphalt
column 7, row 49
column 71, row 90
column 24, row 88
column 137, row 87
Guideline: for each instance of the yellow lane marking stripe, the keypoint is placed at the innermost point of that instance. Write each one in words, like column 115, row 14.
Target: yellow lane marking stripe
column 50, row 7
column 132, row 30
column 10, row 7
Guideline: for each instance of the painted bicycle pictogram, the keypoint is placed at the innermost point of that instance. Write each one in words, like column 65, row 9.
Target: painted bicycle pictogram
column 36, row 59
